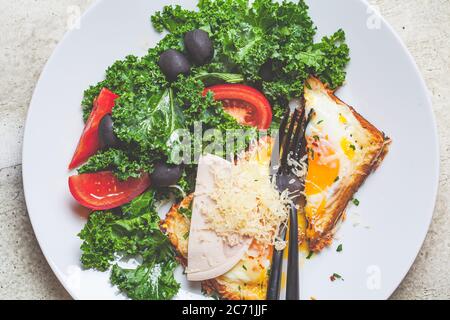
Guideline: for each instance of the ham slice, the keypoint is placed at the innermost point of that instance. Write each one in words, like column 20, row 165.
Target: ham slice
column 209, row 255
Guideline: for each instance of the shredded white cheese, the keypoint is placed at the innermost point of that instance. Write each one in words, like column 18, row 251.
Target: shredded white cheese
column 298, row 168
column 248, row 204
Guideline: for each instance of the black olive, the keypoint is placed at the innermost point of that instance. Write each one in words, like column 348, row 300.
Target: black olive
column 165, row 175
column 107, row 137
column 117, row 211
column 199, row 46
column 173, row 63
column 266, row 71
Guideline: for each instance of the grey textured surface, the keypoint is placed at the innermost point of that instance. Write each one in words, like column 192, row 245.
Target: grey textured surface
column 29, row 32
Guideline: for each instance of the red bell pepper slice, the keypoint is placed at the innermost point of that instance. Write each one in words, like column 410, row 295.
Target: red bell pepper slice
column 89, row 142
column 103, row 191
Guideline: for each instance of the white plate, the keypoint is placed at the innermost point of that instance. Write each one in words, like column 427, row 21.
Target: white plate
column 383, row 83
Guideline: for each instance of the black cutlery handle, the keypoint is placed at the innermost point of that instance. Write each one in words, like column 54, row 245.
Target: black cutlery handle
column 274, row 285
column 292, row 284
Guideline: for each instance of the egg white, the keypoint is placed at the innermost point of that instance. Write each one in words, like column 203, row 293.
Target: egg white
column 334, row 123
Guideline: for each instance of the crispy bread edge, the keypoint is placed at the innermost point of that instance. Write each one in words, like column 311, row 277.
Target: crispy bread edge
column 170, row 224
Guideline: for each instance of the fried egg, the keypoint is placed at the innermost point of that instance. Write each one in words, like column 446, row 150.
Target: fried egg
column 340, row 145
column 334, row 148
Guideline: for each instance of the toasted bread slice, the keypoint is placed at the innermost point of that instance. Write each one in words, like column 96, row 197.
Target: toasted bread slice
column 246, row 281
column 350, row 147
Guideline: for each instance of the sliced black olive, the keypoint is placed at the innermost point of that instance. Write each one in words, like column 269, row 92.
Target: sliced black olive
column 165, row 175
column 173, row 63
column 266, row 71
column 107, row 137
column 199, row 46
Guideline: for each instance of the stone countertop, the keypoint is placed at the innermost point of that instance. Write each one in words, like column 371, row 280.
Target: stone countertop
column 30, row 30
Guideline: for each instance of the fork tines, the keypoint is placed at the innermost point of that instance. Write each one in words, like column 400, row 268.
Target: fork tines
column 293, row 141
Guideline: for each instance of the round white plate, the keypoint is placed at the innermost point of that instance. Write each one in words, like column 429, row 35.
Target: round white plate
column 381, row 237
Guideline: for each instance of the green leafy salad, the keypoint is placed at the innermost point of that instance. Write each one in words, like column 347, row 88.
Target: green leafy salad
column 266, row 45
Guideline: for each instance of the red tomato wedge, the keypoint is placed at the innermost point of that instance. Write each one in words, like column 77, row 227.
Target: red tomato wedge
column 89, row 142
column 103, row 191
column 246, row 104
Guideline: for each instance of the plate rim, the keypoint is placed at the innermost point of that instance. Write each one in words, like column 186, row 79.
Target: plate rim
column 436, row 141
column 429, row 108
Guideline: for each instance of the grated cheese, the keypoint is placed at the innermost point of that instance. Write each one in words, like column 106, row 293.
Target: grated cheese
column 298, row 168
column 248, row 204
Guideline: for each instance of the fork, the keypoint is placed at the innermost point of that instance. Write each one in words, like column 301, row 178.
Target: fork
column 290, row 143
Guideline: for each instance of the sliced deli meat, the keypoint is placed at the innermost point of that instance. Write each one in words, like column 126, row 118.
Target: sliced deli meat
column 210, row 255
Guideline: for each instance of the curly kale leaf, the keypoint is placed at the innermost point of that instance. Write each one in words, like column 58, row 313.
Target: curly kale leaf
column 335, row 57
column 108, row 236
column 215, row 77
column 150, row 281
column 99, row 241
column 248, row 34
column 203, row 109
column 175, row 19
column 138, row 75
column 147, row 122
column 140, row 206
column 119, row 162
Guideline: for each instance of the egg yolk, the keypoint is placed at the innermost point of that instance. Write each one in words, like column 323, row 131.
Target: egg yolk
column 323, row 168
column 348, row 148
column 342, row 119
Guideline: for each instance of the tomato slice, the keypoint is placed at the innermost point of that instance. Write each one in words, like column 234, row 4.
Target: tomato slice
column 246, row 104
column 103, row 191
column 89, row 142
